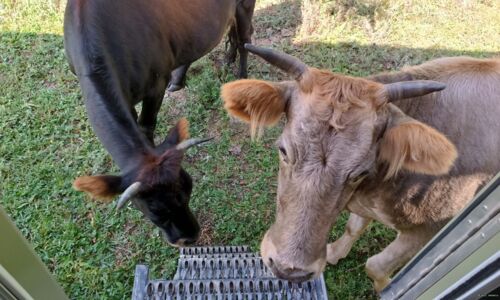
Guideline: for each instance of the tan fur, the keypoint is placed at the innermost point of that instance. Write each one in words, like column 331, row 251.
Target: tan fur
column 447, row 66
column 254, row 101
column 416, row 147
column 183, row 128
column 355, row 226
column 380, row 266
column 261, row 104
column 95, row 186
column 441, row 68
column 307, row 80
column 340, row 127
column 343, row 92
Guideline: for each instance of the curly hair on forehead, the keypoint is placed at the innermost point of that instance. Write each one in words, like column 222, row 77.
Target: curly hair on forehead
column 338, row 93
column 262, row 103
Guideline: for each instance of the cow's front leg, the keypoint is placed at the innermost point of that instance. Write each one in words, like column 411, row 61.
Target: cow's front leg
column 381, row 266
column 178, row 80
column 339, row 249
column 148, row 117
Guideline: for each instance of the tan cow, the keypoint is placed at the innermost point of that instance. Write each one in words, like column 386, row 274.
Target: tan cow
column 346, row 146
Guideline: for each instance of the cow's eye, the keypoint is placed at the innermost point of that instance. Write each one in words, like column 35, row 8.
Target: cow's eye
column 283, row 154
column 282, row 150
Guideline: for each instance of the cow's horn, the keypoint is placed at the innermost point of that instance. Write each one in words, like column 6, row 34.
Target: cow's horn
column 409, row 89
column 285, row 62
column 184, row 145
column 128, row 194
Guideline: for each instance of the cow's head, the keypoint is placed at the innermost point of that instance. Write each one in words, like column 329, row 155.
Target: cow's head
column 339, row 130
column 158, row 186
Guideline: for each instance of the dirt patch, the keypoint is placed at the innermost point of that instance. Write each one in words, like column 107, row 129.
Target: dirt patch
column 206, row 220
column 274, row 27
column 178, row 96
column 123, row 254
column 175, row 102
column 220, row 65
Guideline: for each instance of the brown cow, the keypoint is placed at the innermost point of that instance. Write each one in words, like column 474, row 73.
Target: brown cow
column 343, row 131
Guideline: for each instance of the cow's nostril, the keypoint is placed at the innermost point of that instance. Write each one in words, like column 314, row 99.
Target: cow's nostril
column 298, row 276
column 271, row 263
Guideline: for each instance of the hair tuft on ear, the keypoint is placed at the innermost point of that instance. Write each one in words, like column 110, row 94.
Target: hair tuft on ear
column 102, row 187
column 416, row 147
column 183, row 129
column 254, row 101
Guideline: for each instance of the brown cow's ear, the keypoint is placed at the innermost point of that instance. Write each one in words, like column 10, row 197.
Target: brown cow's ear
column 257, row 102
column 101, row 187
column 414, row 146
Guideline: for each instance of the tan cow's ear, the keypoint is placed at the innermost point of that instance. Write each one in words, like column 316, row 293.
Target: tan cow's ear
column 416, row 147
column 257, row 102
column 101, row 187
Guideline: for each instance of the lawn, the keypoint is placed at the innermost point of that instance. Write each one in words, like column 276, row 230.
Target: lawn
column 46, row 139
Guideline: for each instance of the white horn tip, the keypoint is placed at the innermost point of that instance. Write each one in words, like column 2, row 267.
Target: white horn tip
column 128, row 194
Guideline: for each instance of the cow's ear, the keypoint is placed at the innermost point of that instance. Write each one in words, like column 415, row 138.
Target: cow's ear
column 414, row 146
column 101, row 187
column 257, row 102
column 177, row 134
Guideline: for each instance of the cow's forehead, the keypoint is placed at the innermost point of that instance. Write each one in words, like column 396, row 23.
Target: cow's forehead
column 309, row 112
column 301, row 119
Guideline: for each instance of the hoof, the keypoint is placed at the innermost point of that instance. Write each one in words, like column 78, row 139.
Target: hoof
column 243, row 75
column 379, row 285
column 337, row 250
column 174, row 87
column 333, row 257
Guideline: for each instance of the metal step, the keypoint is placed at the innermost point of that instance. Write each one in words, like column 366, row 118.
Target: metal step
column 221, row 268
column 228, row 272
column 214, row 250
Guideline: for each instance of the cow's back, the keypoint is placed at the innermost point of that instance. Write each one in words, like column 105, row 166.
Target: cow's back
column 138, row 41
column 468, row 113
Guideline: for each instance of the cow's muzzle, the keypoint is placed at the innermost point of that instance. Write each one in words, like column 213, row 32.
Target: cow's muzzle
column 284, row 267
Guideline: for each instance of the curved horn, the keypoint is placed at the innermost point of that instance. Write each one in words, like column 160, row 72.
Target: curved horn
column 184, row 145
column 285, row 62
column 409, row 89
column 128, row 194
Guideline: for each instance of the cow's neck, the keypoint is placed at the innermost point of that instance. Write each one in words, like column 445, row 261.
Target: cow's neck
column 373, row 200
column 114, row 125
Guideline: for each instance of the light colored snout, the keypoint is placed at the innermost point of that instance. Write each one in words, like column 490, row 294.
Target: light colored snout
column 176, row 239
column 285, row 264
column 182, row 243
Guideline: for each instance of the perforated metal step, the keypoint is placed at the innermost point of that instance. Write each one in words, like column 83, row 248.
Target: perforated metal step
column 225, row 250
column 223, row 273
column 221, row 268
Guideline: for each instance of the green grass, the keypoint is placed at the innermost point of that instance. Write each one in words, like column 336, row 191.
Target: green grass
column 46, row 140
